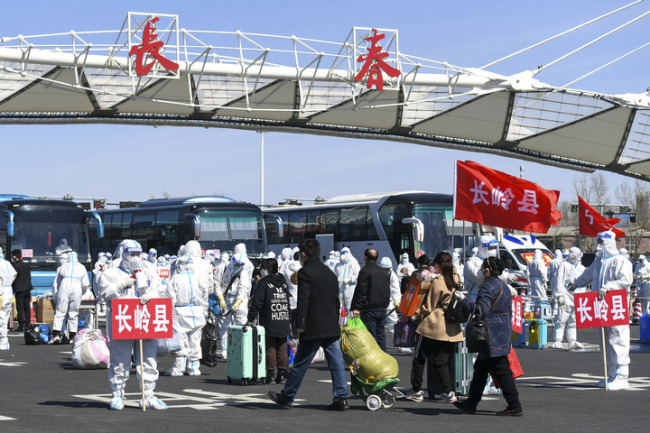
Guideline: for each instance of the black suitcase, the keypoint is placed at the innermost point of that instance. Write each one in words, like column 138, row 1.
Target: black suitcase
column 209, row 344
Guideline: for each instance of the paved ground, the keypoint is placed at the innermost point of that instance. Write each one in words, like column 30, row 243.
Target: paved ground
column 41, row 391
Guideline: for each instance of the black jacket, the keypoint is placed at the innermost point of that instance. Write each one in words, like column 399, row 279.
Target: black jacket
column 23, row 281
column 271, row 301
column 373, row 289
column 318, row 301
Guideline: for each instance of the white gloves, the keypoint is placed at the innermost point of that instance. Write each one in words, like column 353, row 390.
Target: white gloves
column 560, row 300
column 126, row 283
column 148, row 296
column 601, row 293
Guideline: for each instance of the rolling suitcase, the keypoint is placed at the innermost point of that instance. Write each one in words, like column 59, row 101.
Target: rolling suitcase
column 461, row 363
column 537, row 334
column 246, row 354
column 209, row 343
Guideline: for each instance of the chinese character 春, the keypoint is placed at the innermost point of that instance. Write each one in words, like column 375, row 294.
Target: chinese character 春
column 618, row 309
column 160, row 319
column 142, row 318
column 123, row 318
column 584, row 310
column 374, row 63
column 529, row 202
column 479, row 192
column 149, row 48
column 502, row 198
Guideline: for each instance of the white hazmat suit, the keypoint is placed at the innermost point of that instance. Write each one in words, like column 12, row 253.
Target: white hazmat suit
column 473, row 276
column 537, row 277
column 565, row 319
column 233, row 294
column 189, row 288
column 347, row 272
column 643, row 283
column 120, row 282
column 70, row 284
column 7, row 276
column 611, row 271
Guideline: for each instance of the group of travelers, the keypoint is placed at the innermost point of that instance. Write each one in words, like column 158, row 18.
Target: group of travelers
column 302, row 297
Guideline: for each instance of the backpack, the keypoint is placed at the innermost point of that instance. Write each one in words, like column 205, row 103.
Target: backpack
column 457, row 311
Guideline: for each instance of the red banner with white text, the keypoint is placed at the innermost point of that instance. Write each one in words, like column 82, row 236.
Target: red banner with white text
column 517, row 314
column 592, row 222
column 594, row 313
column 487, row 196
column 134, row 321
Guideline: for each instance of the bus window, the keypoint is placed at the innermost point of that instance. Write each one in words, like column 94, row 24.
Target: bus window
column 353, row 223
column 125, row 225
column 330, row 222
column 214, row 226
column 244, row 225
column 272, row 228
column 297, row 226
column 143, row 228
column 371, row 231
column 313, row 224
column 397, row 233
column 167, row 231
column 436, row 238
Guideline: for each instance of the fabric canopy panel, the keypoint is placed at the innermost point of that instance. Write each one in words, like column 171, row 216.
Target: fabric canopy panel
column 285, row 84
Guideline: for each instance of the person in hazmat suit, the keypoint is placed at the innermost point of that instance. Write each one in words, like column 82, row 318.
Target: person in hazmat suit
column 70, row 284
column 565, row 320
column 537, row 277
column 130, row 280
column 7, row 276
column 611, row 271
column 189, row 288
column 472, row 270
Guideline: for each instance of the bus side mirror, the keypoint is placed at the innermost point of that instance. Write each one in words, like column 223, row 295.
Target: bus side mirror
column 100, row 225
column 197, row 224
column 418, row 228
column 279, row 224
column 11, row 228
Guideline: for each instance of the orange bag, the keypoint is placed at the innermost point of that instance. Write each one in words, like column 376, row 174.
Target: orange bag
column 413, row 297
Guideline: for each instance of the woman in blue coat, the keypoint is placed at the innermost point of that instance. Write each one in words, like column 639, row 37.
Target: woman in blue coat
column 494, row 300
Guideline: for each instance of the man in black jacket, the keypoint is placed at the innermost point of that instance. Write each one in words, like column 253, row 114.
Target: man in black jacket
column 22, row 286
column 372, row 296
column 317, row 323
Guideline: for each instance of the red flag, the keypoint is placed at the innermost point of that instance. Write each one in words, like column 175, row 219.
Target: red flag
column 488, row 196
column 592, row 223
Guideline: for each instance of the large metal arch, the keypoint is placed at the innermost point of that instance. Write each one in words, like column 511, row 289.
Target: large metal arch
column 429, row 104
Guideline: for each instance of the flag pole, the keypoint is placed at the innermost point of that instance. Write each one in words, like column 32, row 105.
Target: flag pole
column 144, row 402
column 602, row 331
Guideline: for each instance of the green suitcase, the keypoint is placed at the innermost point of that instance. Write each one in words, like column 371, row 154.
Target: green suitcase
column 246, row 354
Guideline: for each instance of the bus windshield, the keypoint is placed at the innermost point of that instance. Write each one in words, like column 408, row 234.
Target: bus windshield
column 39, row 230
column 436, row 235
column 226, row 228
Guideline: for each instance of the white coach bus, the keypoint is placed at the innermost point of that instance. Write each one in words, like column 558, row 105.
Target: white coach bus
column 393, row 223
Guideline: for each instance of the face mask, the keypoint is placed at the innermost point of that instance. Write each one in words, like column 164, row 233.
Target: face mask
column 492, row 253
column 131, row 263
column 264, row 273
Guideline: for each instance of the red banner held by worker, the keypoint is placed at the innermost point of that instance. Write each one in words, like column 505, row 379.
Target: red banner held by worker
column 594, row 313
column 517, row 314
column 133, row 320
column 592, row 222
column 487, row 196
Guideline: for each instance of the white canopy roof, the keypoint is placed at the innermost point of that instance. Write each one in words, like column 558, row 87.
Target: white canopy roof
column 298, row 85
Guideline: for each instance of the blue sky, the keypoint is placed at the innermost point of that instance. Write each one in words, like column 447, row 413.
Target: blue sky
column 139, row 162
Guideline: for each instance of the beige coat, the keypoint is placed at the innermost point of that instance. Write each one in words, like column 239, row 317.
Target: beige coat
column 431, row 314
